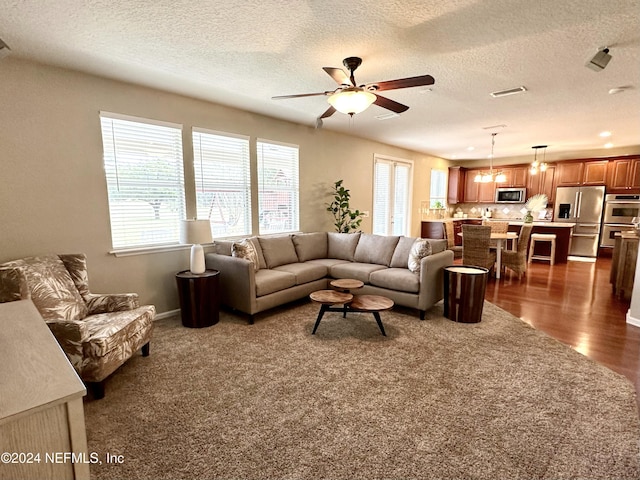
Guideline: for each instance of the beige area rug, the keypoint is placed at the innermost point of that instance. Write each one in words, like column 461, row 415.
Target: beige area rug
column 433, row 399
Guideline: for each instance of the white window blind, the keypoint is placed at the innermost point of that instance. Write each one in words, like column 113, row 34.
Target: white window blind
column 438, row 190
column 145, row 180
column 391, row 196
column 223, row 182
column 278, row 187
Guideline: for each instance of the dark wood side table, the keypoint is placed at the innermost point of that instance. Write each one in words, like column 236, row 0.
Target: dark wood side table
column 199, row 298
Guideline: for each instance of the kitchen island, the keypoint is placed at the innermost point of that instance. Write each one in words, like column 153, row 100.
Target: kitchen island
column 563, row 231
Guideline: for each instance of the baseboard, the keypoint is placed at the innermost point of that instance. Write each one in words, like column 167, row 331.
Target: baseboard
column 170, row 313
column 632, row 320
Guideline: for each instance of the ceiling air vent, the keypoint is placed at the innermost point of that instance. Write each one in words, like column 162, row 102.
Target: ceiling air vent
column 387, row 116
column 511, row 91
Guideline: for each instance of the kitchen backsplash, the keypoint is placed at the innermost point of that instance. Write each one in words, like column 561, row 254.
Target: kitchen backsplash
column 497, row 211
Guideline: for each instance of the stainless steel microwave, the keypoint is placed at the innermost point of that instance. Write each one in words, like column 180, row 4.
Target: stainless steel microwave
column 511, row 195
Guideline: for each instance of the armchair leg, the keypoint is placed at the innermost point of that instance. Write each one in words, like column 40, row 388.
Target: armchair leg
column 96, row 389
column 422, row 314
column 145, row 349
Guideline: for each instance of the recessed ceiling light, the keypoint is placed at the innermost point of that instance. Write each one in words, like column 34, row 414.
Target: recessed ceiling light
column 471, row 149
column 608, row 145
column 605, row 134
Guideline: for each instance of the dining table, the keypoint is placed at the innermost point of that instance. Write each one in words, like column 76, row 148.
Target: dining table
column 501, row 239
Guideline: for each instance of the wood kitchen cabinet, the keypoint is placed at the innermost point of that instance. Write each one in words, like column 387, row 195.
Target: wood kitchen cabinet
column 455, row 192
column 471, row 187
column 543, row 182
column 478, row 192
column 516, row 177
column 574, row 174
column 623, row 174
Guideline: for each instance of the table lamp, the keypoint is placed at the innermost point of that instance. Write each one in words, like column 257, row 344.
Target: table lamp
column 196, row 232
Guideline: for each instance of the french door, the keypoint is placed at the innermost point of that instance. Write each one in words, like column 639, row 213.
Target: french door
column 392, row 180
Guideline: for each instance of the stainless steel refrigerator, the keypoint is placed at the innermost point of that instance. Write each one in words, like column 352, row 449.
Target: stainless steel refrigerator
column 583, row 207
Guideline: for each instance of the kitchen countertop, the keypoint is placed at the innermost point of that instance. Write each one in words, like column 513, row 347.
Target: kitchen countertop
column 543, row 223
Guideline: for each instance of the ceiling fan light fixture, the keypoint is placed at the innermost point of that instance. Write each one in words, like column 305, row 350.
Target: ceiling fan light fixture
column 351, row 100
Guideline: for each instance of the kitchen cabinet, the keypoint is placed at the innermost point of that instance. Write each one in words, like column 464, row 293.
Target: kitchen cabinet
column 432, row 230
column 543, row 182
column 478, row 192
column 588, row 172
column 623, row 264
column 516, row 177
column 455, row 193
column 623, row 174
column 471, row 187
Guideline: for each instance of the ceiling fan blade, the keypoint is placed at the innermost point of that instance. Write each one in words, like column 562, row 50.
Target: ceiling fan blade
column 403, row 83
column 389, row 104
column 330, row 111
column 338, row 75
column 301, row 95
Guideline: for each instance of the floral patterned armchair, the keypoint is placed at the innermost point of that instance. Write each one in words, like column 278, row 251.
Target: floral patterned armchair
column 97, row 332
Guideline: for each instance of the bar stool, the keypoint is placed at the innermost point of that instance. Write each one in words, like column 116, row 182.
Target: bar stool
column 543, row 237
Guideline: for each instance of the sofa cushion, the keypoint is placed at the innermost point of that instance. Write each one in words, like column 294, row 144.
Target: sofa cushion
column 400, row 279
column 357, row 271
column 304, row 272
column 52, row 289
column 223, row 247
column 342, row 245
column 245, row 249
column 437, row 245
column 375, row 249
column 269, row 281
column 327, row 262
column 256, row 243
column 310, row 246
column 278, row 250
column 421, row 248
column 400, row 257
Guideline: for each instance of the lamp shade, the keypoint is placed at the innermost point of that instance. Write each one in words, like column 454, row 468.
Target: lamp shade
column 195, row 232
column 351, row 100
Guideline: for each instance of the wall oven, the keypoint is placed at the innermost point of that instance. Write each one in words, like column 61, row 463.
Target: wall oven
column 619, row 210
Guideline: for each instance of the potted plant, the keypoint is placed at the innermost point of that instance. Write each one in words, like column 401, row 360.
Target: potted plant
column 535, row 204
column 345, row 219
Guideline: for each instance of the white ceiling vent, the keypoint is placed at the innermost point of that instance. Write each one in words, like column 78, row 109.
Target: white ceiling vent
column 387, row 116
column 511, row 91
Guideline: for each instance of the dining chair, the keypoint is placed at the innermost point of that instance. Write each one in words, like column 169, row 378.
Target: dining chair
column 475, row 246
column 496, row 227
column 449, row 233
column 516, row 260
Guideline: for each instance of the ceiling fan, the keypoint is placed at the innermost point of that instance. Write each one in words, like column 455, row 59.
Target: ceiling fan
column 350, row 98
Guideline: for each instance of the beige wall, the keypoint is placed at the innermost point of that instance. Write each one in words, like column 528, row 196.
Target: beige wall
column 53, row 195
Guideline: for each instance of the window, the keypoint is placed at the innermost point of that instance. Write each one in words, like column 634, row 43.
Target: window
column 278, row 187
column 391, row 196
column 438, row 190
column 223, row 183
column 145, row 180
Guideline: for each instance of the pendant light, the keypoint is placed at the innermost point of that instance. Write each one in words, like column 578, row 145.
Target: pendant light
column 537, row 166
column 488, row 177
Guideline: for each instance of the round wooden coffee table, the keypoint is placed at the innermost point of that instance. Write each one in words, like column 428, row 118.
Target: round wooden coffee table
column 358, row 303
column 346, row 284
column 373, row 304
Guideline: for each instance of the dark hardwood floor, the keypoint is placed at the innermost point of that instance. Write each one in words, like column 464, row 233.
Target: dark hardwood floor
column 574, row 303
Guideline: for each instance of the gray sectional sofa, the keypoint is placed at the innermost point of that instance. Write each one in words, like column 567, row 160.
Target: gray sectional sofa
column 285, row 268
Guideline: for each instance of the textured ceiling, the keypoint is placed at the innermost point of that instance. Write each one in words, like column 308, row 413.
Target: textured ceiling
column 241, row 53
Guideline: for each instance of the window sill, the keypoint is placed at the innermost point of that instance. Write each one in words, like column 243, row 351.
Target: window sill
column 127, row 252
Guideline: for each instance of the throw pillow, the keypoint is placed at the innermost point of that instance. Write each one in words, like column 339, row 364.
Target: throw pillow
column 421, row 248
column 245, row 249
